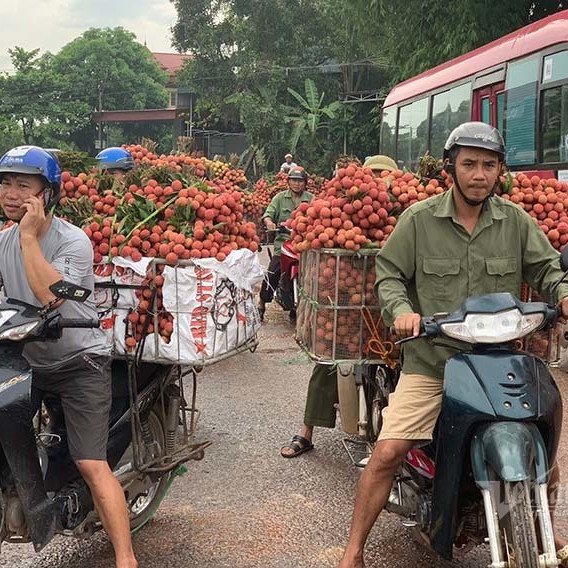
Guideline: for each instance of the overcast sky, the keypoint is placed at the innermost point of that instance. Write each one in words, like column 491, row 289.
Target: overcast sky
column 50, row 24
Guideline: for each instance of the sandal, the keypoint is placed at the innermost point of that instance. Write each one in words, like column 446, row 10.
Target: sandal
column 299, row 445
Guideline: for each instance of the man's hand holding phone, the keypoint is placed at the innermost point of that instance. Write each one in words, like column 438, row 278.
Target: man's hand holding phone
column 33, row 220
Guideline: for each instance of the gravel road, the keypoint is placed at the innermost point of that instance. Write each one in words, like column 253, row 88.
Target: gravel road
column 243, row 506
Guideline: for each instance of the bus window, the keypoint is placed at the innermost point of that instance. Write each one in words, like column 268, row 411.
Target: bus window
column 555, row 67
column 449, row 109
column 520, row 111
column 388, row 131
column 500, row 110
column 412, row 138
column 554, row 125
column 485, row 110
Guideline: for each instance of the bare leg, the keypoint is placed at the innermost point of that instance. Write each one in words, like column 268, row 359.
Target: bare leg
column 111, row 507
column 372, row 494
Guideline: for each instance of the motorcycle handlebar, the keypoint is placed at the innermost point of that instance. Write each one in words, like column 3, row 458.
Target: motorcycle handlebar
column 281, row 230
column 78, row 323
column 429, row 327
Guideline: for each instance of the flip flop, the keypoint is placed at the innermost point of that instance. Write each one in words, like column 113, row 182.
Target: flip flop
column 299, row 444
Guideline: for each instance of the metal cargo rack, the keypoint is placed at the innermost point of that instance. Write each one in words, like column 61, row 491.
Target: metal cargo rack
column 546, row 344
column 338, row 317
column 182, row 414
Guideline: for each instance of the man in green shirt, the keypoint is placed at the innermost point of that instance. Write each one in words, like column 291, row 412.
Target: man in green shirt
column 465, row 242
column 279, row 211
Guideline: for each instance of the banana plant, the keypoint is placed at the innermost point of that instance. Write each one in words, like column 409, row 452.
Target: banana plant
column 312, row 116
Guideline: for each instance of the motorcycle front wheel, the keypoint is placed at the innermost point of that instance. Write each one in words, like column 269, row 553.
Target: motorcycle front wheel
column 520, row 531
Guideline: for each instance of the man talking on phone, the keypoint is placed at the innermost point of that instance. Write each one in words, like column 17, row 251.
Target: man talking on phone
column 37, row 251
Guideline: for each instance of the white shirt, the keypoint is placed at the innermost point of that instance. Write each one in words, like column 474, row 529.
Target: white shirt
column 286, row 167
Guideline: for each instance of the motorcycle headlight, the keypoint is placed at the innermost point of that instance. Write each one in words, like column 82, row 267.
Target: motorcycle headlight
column 493, row 328
column 19, row 332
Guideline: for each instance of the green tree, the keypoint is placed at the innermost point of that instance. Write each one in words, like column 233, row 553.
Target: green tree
column 34, row 97
column 10, row 134
column 419, row 34
column 52, row 97
column 109, row 70
column 246, row 55
column 311, row 117
column 264, row 116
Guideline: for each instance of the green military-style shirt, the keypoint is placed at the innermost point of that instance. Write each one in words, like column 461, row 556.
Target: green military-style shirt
column 280, row 210
column 431, row 264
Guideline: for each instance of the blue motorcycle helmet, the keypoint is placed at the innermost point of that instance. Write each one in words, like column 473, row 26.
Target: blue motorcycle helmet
column 35, row 161
column 115, row 159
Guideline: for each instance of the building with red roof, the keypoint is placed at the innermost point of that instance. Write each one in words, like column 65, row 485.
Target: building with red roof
column 179, row 112
column 171, row 63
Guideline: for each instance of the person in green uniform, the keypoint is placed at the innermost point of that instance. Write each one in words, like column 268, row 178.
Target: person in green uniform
column 279, row 211
column 462, row 243
column 322, row 389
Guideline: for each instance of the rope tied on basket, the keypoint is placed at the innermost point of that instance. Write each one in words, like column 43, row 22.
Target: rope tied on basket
column 375, row 344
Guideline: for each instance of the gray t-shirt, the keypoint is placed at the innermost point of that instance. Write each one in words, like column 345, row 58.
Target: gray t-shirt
column 69, row 251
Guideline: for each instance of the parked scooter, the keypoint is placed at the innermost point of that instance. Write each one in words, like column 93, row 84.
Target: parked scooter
column 42, row 492
column 286, row 294
column 485, row 477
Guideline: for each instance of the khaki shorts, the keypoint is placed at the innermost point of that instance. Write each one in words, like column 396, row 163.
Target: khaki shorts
column 413, row 409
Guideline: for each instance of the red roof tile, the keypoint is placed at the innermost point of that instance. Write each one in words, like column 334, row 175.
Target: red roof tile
column 171, row 62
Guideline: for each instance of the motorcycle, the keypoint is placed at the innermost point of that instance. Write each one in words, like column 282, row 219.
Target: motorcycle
column 286, row 294
column 42, row 492
column 485, row 477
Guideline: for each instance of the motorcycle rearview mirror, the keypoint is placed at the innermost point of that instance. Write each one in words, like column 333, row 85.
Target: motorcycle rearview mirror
column 68, row 291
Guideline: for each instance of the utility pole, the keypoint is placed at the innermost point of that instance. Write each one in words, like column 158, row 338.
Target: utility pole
column 100, row 119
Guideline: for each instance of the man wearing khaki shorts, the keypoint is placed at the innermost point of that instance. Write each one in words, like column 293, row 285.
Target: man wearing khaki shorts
column 465, row 242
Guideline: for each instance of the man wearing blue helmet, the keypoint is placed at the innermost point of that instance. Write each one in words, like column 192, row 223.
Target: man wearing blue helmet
column 115, row 162
column 36, row 252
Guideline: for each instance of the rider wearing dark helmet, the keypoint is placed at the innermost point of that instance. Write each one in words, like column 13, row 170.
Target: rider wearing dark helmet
column 464, row 242
column 37, row 251
column 279, row 211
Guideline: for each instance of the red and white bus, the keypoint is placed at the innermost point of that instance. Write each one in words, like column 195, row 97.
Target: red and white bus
column 518, row 83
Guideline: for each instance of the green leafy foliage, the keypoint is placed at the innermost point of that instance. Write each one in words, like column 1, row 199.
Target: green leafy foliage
column 51, row 98
column 81, row 211
column 309, row 119
column 37, row 99
column 247, row 54
column 76, row 162
column 416, row 35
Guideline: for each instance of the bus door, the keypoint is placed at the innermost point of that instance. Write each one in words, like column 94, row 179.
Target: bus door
column 489, row 105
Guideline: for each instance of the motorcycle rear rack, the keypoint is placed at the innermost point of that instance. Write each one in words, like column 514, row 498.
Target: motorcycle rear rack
column 350, row 446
